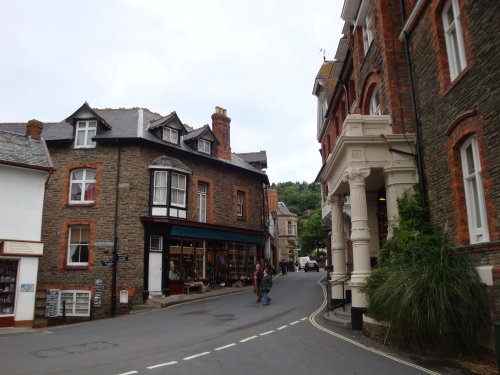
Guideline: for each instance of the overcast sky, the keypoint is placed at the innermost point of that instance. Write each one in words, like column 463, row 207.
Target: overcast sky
column 256, row 58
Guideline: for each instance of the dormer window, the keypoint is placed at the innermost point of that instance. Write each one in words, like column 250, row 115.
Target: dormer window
column 204, row 146
column 85, row 131
column 170, row 135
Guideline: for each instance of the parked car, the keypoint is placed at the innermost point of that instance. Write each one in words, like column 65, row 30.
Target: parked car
column 311, row 265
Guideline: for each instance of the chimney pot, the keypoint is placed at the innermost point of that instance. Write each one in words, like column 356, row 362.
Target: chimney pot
column 34, row 129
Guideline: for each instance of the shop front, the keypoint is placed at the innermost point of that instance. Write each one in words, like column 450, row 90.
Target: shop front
column 18, row 276
column 194, row 258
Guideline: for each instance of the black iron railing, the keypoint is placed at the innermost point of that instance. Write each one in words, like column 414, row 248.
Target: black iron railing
column 337, row 303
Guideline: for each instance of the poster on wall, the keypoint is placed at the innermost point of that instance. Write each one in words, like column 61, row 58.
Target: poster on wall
column 98, row 293
column 51, row 303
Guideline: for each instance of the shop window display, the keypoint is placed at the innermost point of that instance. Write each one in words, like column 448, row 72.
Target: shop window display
column 214, row 262
column 8, row 278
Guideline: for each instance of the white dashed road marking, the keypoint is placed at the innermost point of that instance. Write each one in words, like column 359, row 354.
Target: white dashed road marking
column 162, row 365
column 225, row 346
column 249, row 338
column 196, row 356
column 266, row 333
column 217, row 349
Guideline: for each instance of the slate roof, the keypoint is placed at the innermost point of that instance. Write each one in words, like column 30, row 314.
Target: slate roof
column 125, row 123
column 257, row 159
column 283, row 209
column 23, row 151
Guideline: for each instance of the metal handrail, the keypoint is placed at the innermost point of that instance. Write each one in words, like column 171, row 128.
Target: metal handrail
column 329, row 284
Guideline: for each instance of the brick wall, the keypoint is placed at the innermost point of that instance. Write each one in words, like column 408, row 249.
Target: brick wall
column 132, row 195
column 442, row 105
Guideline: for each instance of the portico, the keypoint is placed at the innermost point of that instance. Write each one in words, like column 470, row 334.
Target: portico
column 368, row 163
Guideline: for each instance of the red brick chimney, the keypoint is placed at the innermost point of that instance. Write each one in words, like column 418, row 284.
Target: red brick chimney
column 34, row 129
column 272, row 199
column 222, row 131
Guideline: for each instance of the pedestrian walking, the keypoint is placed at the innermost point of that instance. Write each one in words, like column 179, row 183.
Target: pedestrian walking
column 265, row 287
column 257, row 279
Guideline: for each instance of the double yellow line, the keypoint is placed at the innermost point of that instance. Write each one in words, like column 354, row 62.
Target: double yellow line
column 312, row 319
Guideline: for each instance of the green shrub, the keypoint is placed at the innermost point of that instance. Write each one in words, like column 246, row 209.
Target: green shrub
column 431, row 295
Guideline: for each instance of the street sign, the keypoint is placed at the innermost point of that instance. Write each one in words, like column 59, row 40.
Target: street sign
column 123, row 257
column 107, row 263
column 104, row 244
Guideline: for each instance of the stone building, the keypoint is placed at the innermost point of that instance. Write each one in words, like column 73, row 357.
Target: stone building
column 410, row 97
column 140, row 205
column 454, row 53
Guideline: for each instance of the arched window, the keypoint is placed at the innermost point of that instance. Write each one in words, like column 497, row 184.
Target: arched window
column 374, row 102
column 474, row 192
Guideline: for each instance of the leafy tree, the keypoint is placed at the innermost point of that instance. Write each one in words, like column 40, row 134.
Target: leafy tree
column 299, row 197
column 304, row 200
column 311, row 233
column 429, row 293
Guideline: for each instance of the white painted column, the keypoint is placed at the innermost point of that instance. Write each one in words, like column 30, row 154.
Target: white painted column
column 397, row 181
column 338, row 245
column 360, row 237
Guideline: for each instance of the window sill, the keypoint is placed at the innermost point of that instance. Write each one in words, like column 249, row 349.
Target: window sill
column 76, row 268
column 449, row 87
column 90, row 204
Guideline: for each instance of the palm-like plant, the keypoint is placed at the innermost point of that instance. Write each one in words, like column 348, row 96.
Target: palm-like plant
column 429, row 293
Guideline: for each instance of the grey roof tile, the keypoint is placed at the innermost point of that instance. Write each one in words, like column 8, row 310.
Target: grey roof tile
column 17, row 149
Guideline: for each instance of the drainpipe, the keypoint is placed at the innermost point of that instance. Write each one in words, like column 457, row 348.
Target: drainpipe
column 115, row 245
column 418, row 134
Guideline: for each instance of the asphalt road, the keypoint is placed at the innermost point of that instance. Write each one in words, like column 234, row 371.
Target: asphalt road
column 230, row 334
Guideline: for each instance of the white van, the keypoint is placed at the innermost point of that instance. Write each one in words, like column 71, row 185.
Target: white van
column 303, row 261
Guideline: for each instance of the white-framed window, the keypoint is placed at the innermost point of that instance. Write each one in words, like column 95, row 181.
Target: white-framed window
column 454, row 38
column 160, row 188
column 84, row 132
column 367, row 32
column 290, row 228
column 78, row 245
column 82, row 186
column 74, row 302
column 170, row 135
column 178, row 190
column 202, row 202
column 155, row 243
column 240, row 202
column 474, row 192
column 204, row 146
column 374, row 102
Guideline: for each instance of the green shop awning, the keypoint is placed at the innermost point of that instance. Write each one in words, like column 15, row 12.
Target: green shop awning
column 208, row 234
